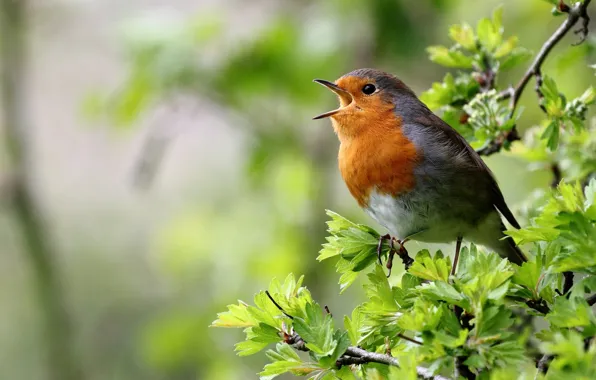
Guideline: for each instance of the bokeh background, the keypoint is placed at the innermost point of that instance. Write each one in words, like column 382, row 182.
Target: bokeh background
column 178, row 169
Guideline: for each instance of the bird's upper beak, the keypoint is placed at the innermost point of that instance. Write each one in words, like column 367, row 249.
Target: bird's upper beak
column 344, row 96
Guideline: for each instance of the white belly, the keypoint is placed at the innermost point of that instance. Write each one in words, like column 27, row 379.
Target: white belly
column 407, row 217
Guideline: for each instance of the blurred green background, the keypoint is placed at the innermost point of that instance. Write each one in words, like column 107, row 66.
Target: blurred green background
column 177, row 164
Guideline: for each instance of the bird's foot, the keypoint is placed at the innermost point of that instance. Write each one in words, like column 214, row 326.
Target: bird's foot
column 402, row 252
column 380, row 246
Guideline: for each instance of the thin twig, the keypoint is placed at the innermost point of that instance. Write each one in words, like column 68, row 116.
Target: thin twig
column 578, row 11
column 402, row 336
column 62, row 363
column 538, row 305
column 543, row 365
column 277, row 305
column 557, row 175
column 568, row 282
column 574, row 14
column 353, row 355
column 364, row 356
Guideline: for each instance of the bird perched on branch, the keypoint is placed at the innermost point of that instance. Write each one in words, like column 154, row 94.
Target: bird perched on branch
column 411, row 171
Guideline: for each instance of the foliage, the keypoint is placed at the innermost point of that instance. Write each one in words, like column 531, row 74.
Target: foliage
column 470, row 315
column 464, row 99
column 437, row 319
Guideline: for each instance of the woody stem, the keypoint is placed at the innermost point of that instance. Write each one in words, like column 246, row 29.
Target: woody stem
column 456, row 257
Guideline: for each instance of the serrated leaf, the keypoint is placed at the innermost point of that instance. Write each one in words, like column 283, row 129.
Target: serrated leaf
column 492, row 321
column 449, row 57
column 285, row 360
column 442, row 291
column 506, row 47
column 517, row 56
column 551, row 135
column 588, row 96
column 488, row 35
column 354, row 325
column 317, row 331
column 528, row 275
column 464, row 35
column 572, row 312
column 434, row 269
column 237, row 316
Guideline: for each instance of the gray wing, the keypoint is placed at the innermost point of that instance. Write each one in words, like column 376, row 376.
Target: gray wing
column 457, row 143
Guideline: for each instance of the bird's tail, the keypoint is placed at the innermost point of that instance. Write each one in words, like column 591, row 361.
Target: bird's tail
column 507, row 248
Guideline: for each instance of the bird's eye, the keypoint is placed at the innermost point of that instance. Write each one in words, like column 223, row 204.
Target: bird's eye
column 369, row 89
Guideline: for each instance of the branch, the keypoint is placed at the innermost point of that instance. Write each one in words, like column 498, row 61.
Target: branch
column 353, row 355
column 539, row 306
column 356, row 355
column 543, row 365
column 557, row 175
column 61, row 361
column 574, row 14
column 568, row 282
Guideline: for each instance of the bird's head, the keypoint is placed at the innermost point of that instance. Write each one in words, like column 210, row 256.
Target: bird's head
column 368, row 99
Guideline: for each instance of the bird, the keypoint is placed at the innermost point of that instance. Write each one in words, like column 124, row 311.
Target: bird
column 411, row 171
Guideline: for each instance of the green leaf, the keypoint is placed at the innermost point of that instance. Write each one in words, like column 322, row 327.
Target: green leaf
column 517, row 56
column 353, row 326
column 489, row 35
column 588, row 96
column 317, row 331
column 571, row 359
column 449, row 57
column 551, row 134
column 529, row 275
column 236, row 316
column 506, row 47
column 424, row 316
column 425, row 267
column 464, row 35
column 285, row 360
column 492, row 321
column 572, row 312
column 442, row 291
column 355, row 244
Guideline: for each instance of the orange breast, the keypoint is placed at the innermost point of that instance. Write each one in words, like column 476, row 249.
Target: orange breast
column 380, row 157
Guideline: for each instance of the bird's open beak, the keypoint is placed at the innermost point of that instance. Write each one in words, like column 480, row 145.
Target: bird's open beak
column 344, row 96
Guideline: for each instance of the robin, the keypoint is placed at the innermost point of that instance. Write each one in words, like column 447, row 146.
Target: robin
column 412, row 172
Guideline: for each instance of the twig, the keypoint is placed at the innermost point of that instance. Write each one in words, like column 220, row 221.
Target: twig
column 574, row 14
column 353, row 355
column 568, row 282
column 61, row 361
column 277, row 305
column 543, row 365
column 578, row 11
column 538, row 305
column 459, row 368
column 402, row 336
column 360, row 356
column 496, row 145
column 538, row 89
column 557, row 175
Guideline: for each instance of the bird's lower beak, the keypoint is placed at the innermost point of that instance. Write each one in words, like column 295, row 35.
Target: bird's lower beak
column 344, row 96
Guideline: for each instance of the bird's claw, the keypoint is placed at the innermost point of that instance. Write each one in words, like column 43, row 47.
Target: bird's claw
column 380, row 246
column 402, row 252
